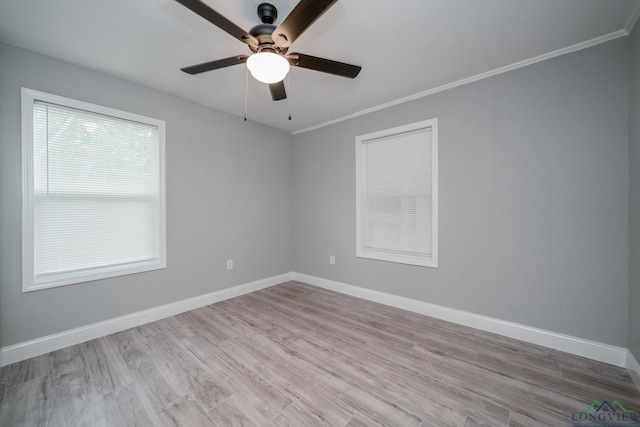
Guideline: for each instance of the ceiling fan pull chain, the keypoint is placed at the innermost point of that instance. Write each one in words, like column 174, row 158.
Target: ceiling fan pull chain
column 290, row 94
column 246, row 93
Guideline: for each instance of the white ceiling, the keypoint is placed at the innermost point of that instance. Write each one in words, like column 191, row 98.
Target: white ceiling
column 405, row 47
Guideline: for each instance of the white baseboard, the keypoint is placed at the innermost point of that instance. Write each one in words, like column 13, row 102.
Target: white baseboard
column 38, row 346
column 582, row 347
column 617, row 356
column 634, row 368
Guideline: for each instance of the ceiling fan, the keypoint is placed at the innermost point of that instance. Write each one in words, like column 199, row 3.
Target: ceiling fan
column 270, row 61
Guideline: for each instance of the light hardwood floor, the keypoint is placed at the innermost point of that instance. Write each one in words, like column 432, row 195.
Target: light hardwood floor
column 297, row 355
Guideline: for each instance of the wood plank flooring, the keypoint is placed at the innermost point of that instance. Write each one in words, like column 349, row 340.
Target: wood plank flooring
column 297, row 355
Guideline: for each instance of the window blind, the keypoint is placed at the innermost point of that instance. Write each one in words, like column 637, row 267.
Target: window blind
column 96, row 191
column 397, row 193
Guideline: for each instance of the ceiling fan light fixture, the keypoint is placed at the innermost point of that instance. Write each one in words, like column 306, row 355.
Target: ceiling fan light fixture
column 268, row 67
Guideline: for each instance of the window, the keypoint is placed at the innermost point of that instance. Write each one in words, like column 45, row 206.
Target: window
column 93, row 192
column 397, row 194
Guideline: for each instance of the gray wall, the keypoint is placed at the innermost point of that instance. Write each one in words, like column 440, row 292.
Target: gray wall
column 533, row 197
column 228, row 196
column 534, row 190
column 634, row 192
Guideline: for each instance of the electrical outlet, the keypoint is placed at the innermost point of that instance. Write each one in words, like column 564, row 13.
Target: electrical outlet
column 229, row 264
column 332, row 260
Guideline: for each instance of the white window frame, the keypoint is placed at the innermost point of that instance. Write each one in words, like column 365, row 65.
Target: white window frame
column 29, row 280
column 380, row 254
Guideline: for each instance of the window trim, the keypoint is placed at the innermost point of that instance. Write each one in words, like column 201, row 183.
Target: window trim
column 381, row 255
column 29, row 282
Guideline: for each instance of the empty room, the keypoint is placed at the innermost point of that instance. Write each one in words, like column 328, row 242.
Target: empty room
column 320, row 213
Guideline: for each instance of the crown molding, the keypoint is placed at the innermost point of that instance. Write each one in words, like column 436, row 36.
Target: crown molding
column 534, row 60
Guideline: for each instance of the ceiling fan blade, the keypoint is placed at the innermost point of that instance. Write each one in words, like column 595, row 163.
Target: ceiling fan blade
column 300, row 18
column 219, row 21
column 277, row 91
column 214, row 65
column 324, row 65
